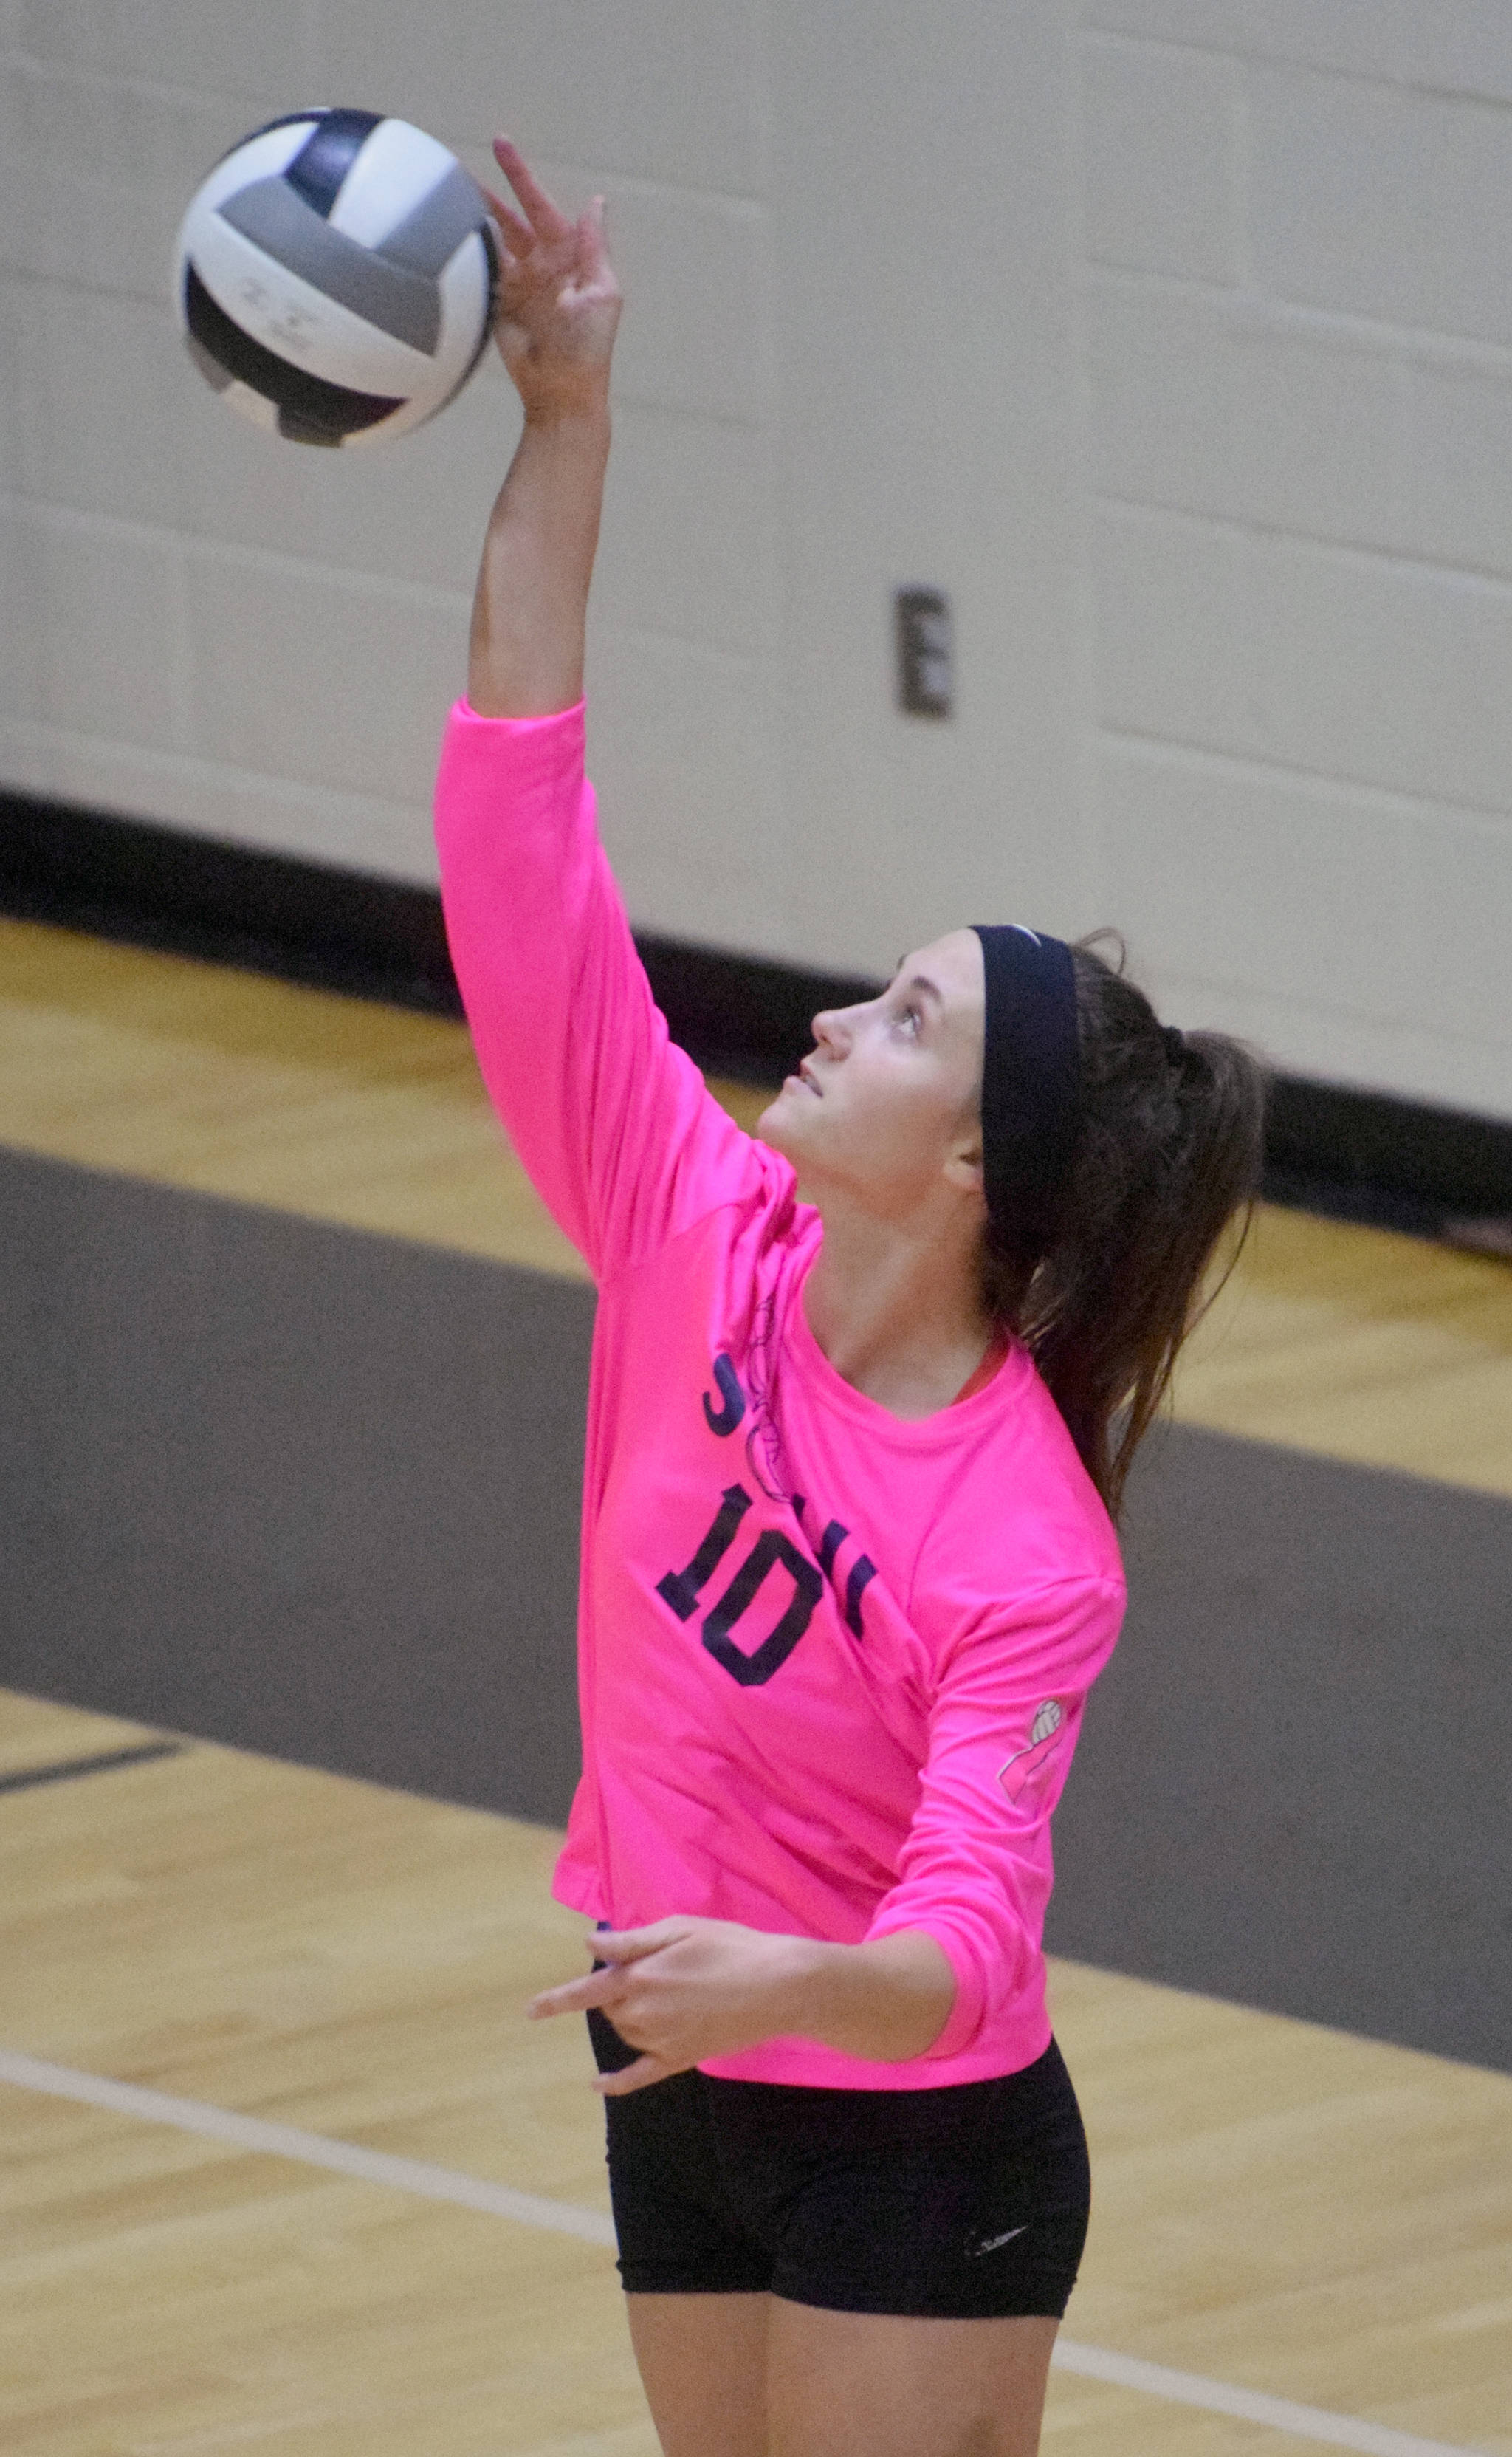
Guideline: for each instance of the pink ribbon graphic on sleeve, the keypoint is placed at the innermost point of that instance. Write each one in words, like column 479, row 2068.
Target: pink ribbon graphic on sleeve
column 1025, row 1768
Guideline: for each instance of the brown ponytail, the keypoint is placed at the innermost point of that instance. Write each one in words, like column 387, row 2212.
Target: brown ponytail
column 1168, row 1151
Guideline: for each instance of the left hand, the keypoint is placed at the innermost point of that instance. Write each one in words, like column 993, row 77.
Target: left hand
column 684, row 1989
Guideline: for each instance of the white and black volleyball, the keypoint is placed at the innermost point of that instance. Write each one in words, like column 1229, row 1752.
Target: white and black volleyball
column 336, row 277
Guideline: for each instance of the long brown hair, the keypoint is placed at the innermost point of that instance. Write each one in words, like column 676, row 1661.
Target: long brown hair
column 1168, row 1153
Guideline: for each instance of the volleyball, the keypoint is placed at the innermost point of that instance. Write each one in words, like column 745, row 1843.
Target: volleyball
column 335, row 277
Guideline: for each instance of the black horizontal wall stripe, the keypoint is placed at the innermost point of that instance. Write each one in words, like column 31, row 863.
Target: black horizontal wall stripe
column 1364, row 1155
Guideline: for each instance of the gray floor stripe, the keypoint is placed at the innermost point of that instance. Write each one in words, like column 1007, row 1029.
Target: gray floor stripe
column 562, row 2217
column 1307, row 1707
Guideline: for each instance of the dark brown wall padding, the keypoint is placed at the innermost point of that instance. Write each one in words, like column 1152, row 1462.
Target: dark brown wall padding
column 1329, row 1147
column 316, row 1492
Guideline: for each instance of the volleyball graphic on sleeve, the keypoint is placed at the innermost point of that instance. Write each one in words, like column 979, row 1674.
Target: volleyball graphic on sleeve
column 1025, row 1771
column 335, row 277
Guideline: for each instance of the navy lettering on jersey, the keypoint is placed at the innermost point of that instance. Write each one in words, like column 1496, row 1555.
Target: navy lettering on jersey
column 862, row 1574
column 862, row 1570
column 680, row 1588
column 834, row 1536
column 723, row 1419
column 770, row 1551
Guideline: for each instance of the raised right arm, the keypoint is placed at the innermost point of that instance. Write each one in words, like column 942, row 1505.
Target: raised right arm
column 612, row 1122
column 559, row 310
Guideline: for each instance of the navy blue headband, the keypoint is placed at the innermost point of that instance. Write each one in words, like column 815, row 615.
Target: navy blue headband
column 1031, row 1081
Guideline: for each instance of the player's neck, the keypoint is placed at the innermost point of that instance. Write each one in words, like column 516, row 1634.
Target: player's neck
column 897, row 1311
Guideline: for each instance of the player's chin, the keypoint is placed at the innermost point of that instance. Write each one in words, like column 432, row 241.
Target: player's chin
column 787, row 1120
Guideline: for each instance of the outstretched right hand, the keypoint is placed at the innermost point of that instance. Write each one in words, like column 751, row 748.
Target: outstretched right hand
column 558, row 301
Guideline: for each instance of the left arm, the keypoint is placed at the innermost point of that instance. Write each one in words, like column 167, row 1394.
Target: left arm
column 948, row 1942
column 682, row 1990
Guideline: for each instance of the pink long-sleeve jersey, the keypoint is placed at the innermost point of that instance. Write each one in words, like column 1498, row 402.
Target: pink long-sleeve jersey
column 831, row 1664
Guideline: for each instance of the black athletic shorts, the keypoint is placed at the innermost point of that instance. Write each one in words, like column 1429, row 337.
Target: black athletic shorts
column 965, row 2203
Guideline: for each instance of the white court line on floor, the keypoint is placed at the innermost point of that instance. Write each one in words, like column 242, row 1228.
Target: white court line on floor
column 308, row 2149
column 563, row 2218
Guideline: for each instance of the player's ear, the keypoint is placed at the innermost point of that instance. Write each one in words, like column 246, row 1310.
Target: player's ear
column 962, row 1167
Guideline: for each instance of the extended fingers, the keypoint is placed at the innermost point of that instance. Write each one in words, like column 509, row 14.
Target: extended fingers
column 591, row 240
column 576, row 1997
column 543, row 217
column 614, row 1947
column 630, row 1944
column 519, row 237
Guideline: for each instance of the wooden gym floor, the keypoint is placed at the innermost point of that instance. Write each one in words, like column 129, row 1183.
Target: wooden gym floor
column 1311, row 2233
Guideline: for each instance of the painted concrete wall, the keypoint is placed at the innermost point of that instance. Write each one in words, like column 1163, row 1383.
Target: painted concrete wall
column 1173, row 337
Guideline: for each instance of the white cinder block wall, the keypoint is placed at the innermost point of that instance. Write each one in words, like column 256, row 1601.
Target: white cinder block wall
column 1173, row 337
column 1297, row 235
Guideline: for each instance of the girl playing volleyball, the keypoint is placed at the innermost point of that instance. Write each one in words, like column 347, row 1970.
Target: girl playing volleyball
column 848, row 1562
